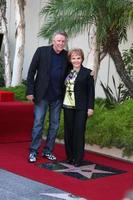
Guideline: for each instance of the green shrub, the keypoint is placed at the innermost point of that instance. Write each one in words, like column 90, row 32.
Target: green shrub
column 18, row 90
column 107, row 128
column 114, row 127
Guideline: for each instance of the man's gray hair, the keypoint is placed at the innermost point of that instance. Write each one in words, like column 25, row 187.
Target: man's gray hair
column 60, row 33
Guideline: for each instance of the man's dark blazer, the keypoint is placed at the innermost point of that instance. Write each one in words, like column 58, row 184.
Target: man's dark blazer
column 38, row 74
column 84, row 90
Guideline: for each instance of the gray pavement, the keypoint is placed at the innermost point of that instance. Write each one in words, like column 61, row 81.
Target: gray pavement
column 15, row 187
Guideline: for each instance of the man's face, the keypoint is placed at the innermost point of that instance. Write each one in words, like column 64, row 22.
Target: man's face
column 59, row 42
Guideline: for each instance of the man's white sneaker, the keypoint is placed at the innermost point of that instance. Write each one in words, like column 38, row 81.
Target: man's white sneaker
column 49, row 156
column 32, row 157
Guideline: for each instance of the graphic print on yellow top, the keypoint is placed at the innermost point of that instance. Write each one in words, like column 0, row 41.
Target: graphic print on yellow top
column 69, row 100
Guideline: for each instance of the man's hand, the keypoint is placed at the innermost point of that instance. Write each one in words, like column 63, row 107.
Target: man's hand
column 90, row 112
column 30, row 97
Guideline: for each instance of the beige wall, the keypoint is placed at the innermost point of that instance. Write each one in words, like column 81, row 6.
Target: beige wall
column 32, row 41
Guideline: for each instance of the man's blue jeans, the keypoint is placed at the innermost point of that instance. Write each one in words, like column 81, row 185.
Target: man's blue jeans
column 39, row 122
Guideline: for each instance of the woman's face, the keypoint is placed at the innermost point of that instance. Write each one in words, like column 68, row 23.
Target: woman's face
column 76, row 60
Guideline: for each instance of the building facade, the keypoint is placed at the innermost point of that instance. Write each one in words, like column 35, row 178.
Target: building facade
column 32, row 41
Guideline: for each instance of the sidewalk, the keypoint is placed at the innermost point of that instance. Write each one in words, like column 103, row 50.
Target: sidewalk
column 14, row 187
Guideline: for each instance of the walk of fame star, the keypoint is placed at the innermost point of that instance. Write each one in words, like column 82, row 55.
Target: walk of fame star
column 88, row 170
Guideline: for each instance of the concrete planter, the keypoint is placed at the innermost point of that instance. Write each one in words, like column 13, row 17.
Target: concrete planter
column 111, row 152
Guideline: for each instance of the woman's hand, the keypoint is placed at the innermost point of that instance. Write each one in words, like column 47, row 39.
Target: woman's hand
column 90, row 112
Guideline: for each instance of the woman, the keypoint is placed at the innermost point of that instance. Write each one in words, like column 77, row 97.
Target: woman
column 78, row 104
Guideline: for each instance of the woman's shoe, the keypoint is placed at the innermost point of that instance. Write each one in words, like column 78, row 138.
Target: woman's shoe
column 69, row 161
column 77, row 164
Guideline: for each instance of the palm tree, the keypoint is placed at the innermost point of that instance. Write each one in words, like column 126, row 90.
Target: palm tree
column 111, row 18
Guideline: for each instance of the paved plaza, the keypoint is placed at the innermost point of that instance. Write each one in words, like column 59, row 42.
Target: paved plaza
column 14, row 187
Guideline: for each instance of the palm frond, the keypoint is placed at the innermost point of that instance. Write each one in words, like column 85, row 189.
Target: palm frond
column 75, row 16
column 69, row 15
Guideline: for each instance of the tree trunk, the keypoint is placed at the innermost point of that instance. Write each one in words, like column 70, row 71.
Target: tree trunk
column 20, row 41
column 120, row 67
column 111, row 46
column 7, row 69
column 93, row 61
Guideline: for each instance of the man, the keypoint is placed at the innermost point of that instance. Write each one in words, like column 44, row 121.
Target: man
column 45, row 82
